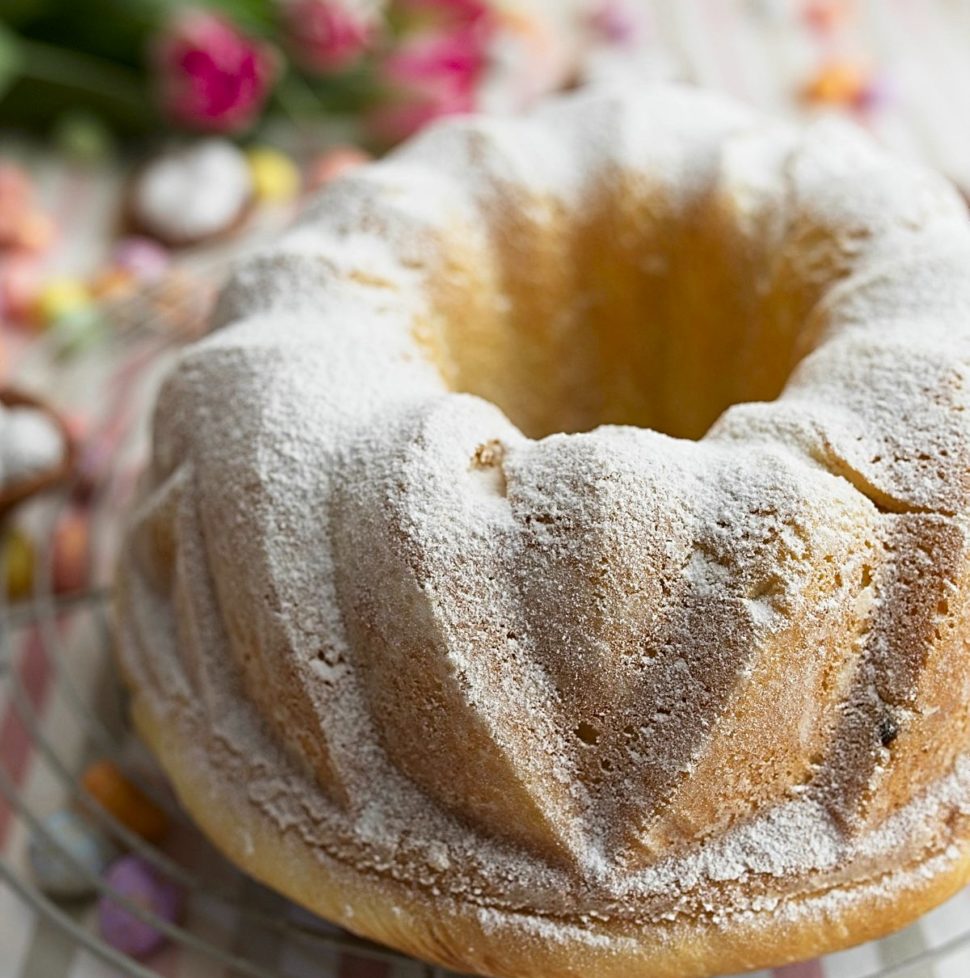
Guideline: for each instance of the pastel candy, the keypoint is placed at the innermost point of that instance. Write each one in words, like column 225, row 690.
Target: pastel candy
column 19, row 562
column 113, row 282
column 144, row 258
column 60, row 296
column 276, row 178
column 138, row 881
column 334, row 163
column 827, row 16
column 78, row 330
column 879, row 92
column 16, row 202
column 20, row 280
column 66, row 865
column 37, row 232
column 71, row 553
column 123, row 800
column 193, row 193
column 840, row 82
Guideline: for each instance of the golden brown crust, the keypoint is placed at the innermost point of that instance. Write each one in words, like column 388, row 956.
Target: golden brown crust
column 601, row 702
column 509, row 945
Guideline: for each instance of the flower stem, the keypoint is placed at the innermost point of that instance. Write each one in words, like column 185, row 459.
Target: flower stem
column 73, row 69
column 298, row 100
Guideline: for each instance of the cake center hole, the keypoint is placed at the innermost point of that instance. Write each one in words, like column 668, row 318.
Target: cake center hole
column 625, row 315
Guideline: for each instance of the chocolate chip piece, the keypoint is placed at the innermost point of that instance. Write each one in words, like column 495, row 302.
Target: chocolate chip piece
column 888, row 730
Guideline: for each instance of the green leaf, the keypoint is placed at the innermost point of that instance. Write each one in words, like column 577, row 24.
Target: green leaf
column 256, row 16
column 11, row 59
column 14, row 13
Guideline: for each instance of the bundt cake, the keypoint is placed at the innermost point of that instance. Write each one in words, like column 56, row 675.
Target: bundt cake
column 557, row 561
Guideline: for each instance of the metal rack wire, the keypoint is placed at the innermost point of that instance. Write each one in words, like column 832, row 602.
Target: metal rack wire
column 69, row 636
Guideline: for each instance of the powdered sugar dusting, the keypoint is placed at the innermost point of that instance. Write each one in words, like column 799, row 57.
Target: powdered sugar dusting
column 30, row 445
column 609, row 675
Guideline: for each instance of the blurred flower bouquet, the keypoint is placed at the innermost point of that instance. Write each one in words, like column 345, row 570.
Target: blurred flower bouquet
column 226, row 66
column 310, row 88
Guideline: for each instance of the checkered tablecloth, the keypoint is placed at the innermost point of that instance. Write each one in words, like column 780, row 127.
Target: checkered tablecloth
column 760, row 50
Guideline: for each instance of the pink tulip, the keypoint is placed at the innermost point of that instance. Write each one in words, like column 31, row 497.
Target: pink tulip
column 426, row 77
column 329, row 35
column 334, row 163
column 437, row 66
column 452, row 59
column 210, row 76
column 442, row 12
column 399, row 118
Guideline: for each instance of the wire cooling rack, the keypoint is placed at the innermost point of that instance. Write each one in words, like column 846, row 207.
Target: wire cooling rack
column 61, row 706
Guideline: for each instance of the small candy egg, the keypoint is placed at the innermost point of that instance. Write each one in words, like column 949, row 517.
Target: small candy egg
column 70, row 560
column 193, row 193
column 78, row 425
column 19, row 563
column 60, row 296
column 36, row 232
column 72, row 834
column 141, row 883
column 125, row 801
column 838, row 83
column 827, row 16
column 14, row 182
column 276, row 178
column 620, row 23
column 33, row 447
column 78, row 331
column 92, row 461
column 334, row 163
column 20, row 281
column 16, row 201
column 145, row 259
column 112, row 283
column 879, row 92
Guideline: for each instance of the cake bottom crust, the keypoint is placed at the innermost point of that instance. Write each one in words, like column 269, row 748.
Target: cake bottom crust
column 507, row 944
